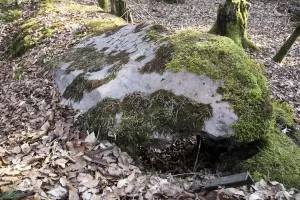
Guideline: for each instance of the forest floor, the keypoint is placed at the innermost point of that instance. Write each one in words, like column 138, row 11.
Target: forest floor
column 42, row 152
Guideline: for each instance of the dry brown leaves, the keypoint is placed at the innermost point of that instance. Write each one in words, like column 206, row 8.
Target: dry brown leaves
column 89, row 169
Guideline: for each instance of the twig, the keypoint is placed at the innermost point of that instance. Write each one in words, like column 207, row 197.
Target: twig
column 198, row 152
column 138, row 4
column 98, row 151
column 2, row 29
column 186, row 174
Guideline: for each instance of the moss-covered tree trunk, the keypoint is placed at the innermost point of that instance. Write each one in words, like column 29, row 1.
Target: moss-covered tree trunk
column 232, row 22
column 103, row 4
column 287, row 45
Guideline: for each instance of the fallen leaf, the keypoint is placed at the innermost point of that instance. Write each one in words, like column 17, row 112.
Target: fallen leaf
column 58, row 191
column 73, row 195
column 26, row 148
column 91, row 138
column 61, row 162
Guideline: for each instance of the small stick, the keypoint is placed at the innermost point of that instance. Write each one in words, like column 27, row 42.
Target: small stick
column 186, row 174
column 198, row 152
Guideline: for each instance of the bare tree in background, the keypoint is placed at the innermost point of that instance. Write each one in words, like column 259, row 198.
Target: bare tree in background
column 287, row 45
column 117, row 7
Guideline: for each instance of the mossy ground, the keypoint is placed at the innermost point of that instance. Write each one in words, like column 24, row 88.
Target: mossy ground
column 278, row 158
column 221, row 59
column 11, row 15
column 284, row 113
column 100, row 26
column 34, row 30
column 273, row 157
column 154, row 33
column 142, row 115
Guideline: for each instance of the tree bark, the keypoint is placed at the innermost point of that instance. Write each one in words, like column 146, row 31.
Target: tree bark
column 112, row 6
column 120, row 8
column 287, row 45
column 103, row 4
column 232, row 22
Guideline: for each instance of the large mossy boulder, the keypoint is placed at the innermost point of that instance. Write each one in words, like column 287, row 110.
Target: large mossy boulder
column 140, row 85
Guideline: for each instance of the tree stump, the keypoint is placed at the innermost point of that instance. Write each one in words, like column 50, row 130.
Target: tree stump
column 232, row 22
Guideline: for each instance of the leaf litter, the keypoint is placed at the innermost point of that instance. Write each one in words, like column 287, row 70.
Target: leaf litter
column 45, row 156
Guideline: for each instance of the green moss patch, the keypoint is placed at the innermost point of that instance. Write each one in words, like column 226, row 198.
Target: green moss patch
column 80, row 84
column 171, row 1
column 142, row 115
column 35, row 30
column 10, row 15
column 154, row 33
column 158, row 64
column 100, row 26
column 139, row 27
column 89, row 59
column 278, row 159
column 104, row 5
column 273, row 157
column 221, row 59
column 284, row 113
column 32, row 33
column 140, row 58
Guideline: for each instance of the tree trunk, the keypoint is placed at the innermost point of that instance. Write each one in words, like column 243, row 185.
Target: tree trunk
column 112, row 6
column 103, row 4
column 232, row 22
column 122, row 10
column 287, row 45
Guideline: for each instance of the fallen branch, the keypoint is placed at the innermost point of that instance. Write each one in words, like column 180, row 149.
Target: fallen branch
column 235, row 180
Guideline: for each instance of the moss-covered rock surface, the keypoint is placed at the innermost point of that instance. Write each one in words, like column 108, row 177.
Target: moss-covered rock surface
column 136, row 89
